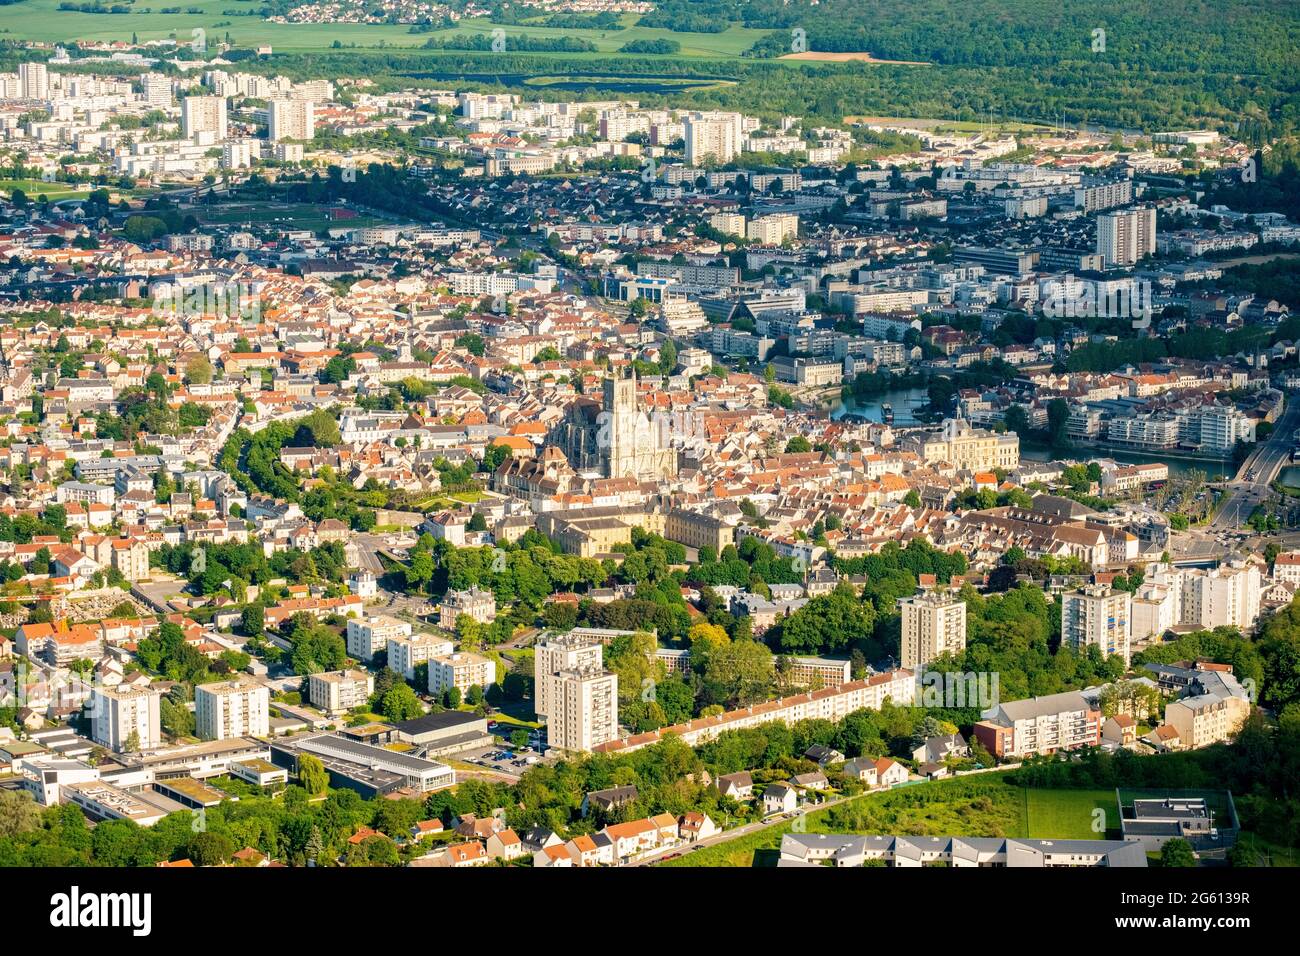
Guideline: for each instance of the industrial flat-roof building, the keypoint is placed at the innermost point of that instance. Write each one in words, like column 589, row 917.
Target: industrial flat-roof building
column 369, row 770
column 447, row 732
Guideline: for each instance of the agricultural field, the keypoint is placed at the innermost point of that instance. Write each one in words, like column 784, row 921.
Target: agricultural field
column 42, row 20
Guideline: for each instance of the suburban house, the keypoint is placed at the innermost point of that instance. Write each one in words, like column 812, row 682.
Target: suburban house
column 608, row 800
column 938, row 749
column 466, row 854
column 555, row 855
column 889, row 772
column 1120, row 730
column 632, row 839
column 816, row 780
column 505, row 845
column 822, row 756
column 697, row 826
column 862, row 769
column 738, row 786
column 780, row 798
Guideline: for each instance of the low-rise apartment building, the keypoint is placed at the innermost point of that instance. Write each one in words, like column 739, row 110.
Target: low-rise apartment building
column 1040, row 725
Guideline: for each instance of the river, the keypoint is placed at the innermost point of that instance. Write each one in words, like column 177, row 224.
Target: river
column 906, row 402
column 1215, row 469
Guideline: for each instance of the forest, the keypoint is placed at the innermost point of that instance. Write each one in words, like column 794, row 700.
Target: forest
column 1129, row 95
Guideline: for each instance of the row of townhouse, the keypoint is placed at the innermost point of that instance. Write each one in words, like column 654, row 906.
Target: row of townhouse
column 620, row 844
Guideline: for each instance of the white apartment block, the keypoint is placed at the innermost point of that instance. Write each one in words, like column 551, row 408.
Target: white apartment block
column 237, row 708
column 34, row 81
column 716, row 135
column 1219, row 427
column 156, row 89
column 118, row 714
column 584, row 705
column 818, row 671
column 318, row 91
column 732, row 223
column 1226, row 596
column 933, row 624
column 830, row 703
column 1126, row 236
column 1153, row 611
column 405, row 654
column 561, row 652
column 1106, row 195
column 772, row 230
column 238, row 155
column 1040, row 725
column 371, row 635
column 337, row 692
column 203, row 114
column 1097, row 615
column 290, row 119
column 461, row 670
column 482, row 283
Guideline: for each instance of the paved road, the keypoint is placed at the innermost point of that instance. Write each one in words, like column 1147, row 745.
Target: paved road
column 1263, row 465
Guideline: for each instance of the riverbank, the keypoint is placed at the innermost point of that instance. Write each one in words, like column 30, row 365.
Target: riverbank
column 1180, row 465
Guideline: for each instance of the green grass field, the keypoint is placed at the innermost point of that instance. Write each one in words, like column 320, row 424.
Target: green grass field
column 288, row 215
column 43, row 20
column 1069, row 814
column 39, row 187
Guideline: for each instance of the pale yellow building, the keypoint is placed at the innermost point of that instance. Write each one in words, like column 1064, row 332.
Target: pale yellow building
column 933, row 624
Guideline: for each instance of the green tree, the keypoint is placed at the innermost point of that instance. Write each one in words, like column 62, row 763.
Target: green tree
column 19, row 814
column 199, row 370
column 1177, row 853
column 253, row 620
column 400, row 703
column 211, row 849
column 312, row 775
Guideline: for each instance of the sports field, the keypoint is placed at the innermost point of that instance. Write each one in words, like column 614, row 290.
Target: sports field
column 39, row 187
column 287, row 215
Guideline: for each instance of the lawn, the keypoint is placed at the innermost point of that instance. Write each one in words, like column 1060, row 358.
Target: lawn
column 1068, row 814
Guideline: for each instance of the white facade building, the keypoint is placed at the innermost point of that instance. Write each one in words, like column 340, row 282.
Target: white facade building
column 237, row 708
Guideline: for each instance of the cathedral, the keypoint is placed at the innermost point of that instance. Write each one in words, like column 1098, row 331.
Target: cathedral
column 614, row 438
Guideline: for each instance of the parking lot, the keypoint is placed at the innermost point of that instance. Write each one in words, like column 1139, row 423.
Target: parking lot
column 502, row 759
